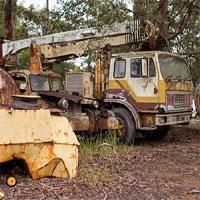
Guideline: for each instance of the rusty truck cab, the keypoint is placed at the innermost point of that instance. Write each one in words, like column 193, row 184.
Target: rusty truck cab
column 29, row 83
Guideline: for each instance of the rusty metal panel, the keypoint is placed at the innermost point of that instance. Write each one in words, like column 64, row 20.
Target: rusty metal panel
column 45, row 159
column 40, row 127
column 108, row 123
column 80, row 122
column 80, row 83
column 45, row 142
column 7, row 88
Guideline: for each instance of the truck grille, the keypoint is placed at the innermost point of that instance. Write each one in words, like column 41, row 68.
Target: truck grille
column 178, row 101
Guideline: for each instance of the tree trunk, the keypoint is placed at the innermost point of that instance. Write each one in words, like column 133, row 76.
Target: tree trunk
column 164, row 18
column 46, row 25
column 139, row 9
column 162, row 42
column 9, row 18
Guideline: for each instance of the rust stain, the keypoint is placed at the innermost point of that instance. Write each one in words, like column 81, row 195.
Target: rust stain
column 8, row 88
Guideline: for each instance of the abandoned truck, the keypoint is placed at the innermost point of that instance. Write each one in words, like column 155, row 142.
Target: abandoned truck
column 146, row 91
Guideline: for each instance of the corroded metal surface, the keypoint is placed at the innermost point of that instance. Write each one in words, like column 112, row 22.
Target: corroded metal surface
column 45, row 142
column 108, row 123
column 26, row 102
column 80, row 122
column 28, row 72
column 7, row 88
column 130, row 31
column 107, row 120
column 80, row 84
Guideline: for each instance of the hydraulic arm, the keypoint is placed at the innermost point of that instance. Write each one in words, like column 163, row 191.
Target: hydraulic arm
column 75, row 42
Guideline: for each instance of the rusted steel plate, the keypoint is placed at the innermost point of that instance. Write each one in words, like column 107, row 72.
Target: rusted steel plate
column 79, row 83
column 52, row 94
column 45, row 159
column 80, row 122
column 45, row 142
column 108, row 123
column 25, row 102
column 7, row 88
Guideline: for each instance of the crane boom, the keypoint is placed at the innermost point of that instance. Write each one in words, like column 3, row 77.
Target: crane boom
column 117, row 34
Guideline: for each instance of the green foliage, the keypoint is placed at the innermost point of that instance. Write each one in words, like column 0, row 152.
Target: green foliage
column 24, row 58
column 92, row 143
column 93, row 13
column 64, row 67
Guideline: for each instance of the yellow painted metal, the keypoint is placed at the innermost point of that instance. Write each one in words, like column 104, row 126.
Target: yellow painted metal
column 45, row 142
column 11, row 181
column 162, row 85
column 121, row 130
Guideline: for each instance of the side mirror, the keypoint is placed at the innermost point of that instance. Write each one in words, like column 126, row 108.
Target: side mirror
column 144, row 68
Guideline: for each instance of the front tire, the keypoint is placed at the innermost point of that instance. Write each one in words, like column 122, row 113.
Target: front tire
column 127, row 131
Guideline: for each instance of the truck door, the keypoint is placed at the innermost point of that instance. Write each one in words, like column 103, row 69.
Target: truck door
column 143, row 80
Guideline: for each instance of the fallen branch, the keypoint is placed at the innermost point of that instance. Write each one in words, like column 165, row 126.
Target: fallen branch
column 194, row 191
column 107, row 145
column 195, row 52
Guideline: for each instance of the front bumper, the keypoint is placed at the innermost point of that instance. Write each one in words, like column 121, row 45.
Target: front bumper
column 173, row 119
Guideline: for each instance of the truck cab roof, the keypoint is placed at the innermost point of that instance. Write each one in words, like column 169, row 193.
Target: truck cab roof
column 42, row 73
column 142, row 53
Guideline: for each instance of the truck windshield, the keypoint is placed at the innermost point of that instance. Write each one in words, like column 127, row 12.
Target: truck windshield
column 39, row 83
column 56, row 84
column 173, row 67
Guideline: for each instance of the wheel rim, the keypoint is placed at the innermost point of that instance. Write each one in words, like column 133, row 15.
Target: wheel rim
column 120, row 132
column 11, row 181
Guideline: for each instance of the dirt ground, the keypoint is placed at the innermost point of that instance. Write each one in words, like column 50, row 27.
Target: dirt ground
column 164, row 170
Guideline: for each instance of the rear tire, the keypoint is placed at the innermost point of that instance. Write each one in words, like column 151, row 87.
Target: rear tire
column 129, row 131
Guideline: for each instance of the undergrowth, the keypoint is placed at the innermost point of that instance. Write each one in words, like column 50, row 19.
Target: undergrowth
column 104, row 143
column 96, row 152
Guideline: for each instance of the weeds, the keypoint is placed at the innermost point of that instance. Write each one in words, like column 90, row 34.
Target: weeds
column 94, row 158
column 93, row 177
column 89, row 145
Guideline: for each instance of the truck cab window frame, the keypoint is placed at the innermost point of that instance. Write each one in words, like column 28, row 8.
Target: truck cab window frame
column 151, row 68
column 119, row 68
column 136, row 67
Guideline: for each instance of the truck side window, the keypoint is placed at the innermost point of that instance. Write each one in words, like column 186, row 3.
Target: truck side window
column 120, row 69
column 136, row 66
column 152, row 69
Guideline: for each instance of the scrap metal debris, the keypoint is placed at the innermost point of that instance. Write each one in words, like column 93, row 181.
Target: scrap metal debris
column 46, row 146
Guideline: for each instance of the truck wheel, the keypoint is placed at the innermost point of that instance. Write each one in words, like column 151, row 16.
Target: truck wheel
column 11, row 181
column 126, row 132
